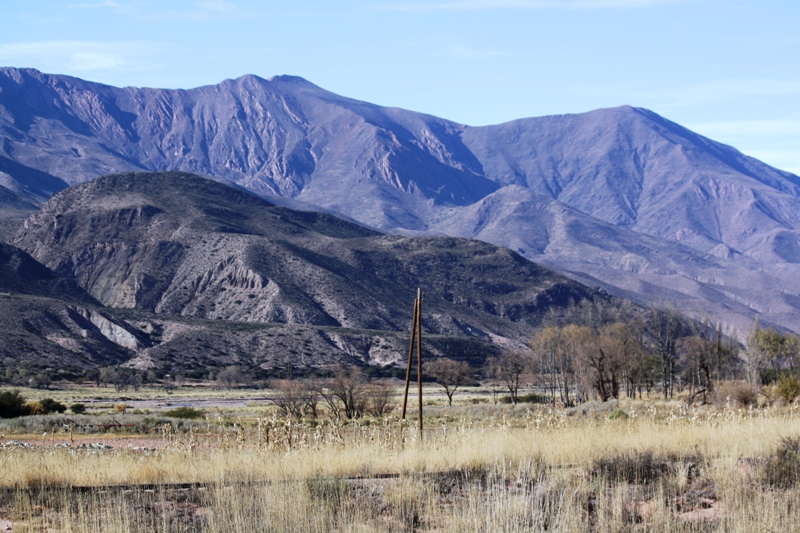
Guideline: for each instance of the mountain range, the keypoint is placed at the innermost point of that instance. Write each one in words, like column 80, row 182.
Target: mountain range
column 617, row 198
column 181, row 272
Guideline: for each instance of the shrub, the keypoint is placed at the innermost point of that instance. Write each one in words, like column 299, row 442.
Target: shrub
column 643, row 467
column 744, row 395
column 50, row 405
column 617, row 414
column 782, row 470
column 12, row 404
column 33, row 407
column 788, row 387
column 328, row 491
column 185, row 412
column 78, row 408
column 525, row 398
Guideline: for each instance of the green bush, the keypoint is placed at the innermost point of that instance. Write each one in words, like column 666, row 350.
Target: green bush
column 78, row 408
column 50, row 405
column 525, row 398
column 185, row 412
column 788, row 387
column 12, row 404
column 617, row 414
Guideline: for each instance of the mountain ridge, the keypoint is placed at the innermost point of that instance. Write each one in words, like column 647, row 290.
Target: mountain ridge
column 180, row 270
column 669, row 213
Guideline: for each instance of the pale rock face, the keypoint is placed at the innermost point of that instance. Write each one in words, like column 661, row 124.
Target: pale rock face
column 620, row 198
column 111, row 330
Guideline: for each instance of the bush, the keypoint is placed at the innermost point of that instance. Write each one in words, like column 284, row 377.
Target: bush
column 185, row 412
column 50, row 405
column 642, row 467
column 617, row 414
column 525, row 398
column 744, row 395
column 78, row 408
column 12, row 404
column 782, row 470
column 788, row 387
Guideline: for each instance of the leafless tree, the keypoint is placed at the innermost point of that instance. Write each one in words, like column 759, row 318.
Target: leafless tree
column 449, row 374
column 346, row 392
column 294, row 398
column 576, row 339
column 509, row 368
column 231, row 376
column 554, row 363
column 696, row 354
column 665, row 328
column 380, row 399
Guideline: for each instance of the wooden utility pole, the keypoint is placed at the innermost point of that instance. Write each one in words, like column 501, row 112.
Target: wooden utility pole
column 416, row 334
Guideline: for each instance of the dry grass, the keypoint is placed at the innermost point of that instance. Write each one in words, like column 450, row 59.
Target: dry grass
column 664, row 469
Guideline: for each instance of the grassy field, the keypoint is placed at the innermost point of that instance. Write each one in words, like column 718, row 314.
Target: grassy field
column 629, row 466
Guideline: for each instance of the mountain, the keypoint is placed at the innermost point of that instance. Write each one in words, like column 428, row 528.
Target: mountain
column 621, row 198
column 49, row 321
column 215, row 271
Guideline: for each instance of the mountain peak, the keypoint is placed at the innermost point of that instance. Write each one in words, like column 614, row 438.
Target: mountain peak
column 623, row 181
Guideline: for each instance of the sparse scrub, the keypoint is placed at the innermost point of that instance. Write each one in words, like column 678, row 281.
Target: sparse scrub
column 664, row 467
column 185, row 412
column 782, row 469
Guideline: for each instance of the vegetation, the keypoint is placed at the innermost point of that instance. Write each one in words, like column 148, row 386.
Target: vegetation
column 450, row 375
column 662, row 467
column 12, row 404
column 607, row 422
column 185, row 412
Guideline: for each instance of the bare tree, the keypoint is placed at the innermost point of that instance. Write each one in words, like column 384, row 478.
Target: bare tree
column 231, row 376
column 346, row 391
column 290, row 396
column 449, row 374
column 576, row 339
column 696, row 357
column 554, row 362
column 755, row 356
column 380, row 399
column 509, row 368
column 665, row 327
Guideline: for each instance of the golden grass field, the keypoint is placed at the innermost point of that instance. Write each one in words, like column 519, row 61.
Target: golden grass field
column 631, row 466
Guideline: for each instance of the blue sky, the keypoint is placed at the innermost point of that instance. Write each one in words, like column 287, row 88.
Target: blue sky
column 729, row 69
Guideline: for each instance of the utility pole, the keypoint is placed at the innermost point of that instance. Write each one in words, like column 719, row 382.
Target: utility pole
column 416, row 335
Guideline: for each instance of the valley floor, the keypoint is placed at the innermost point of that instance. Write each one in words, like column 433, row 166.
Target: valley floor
column 645, row 465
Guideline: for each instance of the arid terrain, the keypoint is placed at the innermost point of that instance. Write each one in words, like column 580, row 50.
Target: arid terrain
column 643, row 465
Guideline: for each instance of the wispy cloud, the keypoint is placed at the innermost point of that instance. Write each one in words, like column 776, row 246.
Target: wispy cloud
column 450, row 47
column 94, row 5
column 77, row 55
column 200, row 10
column 711, row 92
column 484, row 5
column 216, row 6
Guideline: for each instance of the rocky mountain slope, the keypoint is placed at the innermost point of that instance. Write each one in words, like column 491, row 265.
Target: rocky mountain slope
column 49, row 321
column 621, row 198
column 190, row 257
